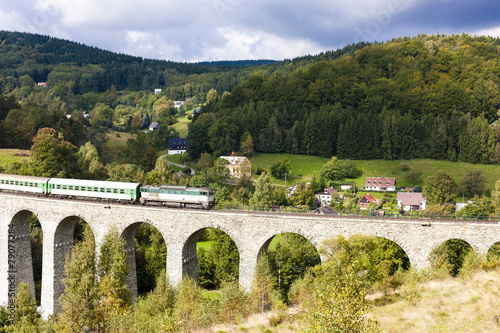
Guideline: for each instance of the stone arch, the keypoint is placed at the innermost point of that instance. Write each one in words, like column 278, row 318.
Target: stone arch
column 417, row 255
column 128, row 235
column 63, row 245
column 189, row 254
column 20, row 254
column 264, row 248
column 463, row 246
column 494, row 249
column 284, row 264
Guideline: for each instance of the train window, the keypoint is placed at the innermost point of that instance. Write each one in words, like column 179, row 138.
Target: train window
column 35, row 184
column 96, row 189
column 58, row 187
column 102, row 189
column 16, row 183
column 70, row 187
column 64, row 187
column 108, row 190
column 2, row 181
column 122, row 191
column 115, row 190
column 77, row 188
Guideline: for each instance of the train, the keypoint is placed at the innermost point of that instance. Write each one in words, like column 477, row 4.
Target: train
column 159, row 195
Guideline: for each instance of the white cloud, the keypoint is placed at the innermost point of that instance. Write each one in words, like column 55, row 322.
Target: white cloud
column 256, row 45
column 494, row 32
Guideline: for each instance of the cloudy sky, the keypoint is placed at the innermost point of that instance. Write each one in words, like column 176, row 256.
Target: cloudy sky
column 200, row 30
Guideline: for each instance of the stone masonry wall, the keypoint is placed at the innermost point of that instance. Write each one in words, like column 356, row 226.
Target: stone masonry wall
column 180, row 229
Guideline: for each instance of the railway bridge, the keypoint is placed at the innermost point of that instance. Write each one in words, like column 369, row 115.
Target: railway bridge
column 252, row 233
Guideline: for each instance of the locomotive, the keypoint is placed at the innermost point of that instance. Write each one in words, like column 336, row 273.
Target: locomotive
column 159, row 195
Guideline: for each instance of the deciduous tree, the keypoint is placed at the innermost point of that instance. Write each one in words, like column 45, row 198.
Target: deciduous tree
column 438, row 189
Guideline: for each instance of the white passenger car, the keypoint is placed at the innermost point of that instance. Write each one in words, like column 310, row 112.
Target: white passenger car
column 23, row 183
column 93, row 189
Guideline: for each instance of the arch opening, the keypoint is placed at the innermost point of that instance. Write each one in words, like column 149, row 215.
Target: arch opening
column 290, row 256
column 150, row 257
column 378, row 261
column 493, row 252
column 210, row 256
column 26, row 247
column 69, row 232
column 449, row 256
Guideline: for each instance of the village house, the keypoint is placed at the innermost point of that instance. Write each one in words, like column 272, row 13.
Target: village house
column 380, row 184
column 326, row 196
column 345, row 187
column 367, row 200
column 195, row 111
column 239, row 166
column 411, row 201
column 177, row 146
column 154, row 126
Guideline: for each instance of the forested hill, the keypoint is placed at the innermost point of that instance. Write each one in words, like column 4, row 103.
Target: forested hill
column 38, row 56
column 423, row 97
column 57, row 61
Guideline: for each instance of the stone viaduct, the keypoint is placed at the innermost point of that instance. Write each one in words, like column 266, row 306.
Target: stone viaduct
column 181, row 229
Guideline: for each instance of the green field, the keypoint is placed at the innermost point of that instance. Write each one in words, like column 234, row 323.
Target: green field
column 8, row 156
column 181, row 126
column 115, row 146
column 304, row 167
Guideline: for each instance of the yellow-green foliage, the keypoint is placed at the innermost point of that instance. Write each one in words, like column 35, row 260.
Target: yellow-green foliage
column 340, row 305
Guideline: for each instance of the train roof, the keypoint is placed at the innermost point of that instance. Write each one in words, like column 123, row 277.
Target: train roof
column 178, row 187
column 24, row 178
column 94, row 183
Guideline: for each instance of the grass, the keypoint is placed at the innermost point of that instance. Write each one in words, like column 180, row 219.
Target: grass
column 181, row 126
column 8, row 156
column 114, row 149
column 448, row 305
column 304, row 167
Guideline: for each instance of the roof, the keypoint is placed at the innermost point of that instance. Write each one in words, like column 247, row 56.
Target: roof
column 177, row 142
column 24, row 178
column 412, row 199
column 154, row 125
column 93, row 183
column 329, row 191
column 233, row 159
column 325, row 211
column 368, row 197
column 380, row 181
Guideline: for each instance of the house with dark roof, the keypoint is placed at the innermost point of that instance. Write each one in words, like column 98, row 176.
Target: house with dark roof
column 380, row 184
column 195, row 111
column 366, row 200
column 411, row 201
column 326, row 196
column 177, row 146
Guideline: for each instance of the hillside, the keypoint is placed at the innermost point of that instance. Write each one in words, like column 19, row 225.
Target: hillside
column 424, row 97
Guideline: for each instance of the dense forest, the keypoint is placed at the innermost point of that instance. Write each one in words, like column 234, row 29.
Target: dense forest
column 424, row 97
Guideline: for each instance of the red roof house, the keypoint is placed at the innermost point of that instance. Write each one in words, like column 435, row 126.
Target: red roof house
column 366, row 200
column 380, row 184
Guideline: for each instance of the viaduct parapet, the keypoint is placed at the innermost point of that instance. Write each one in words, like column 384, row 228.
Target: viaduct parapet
column 181, row 229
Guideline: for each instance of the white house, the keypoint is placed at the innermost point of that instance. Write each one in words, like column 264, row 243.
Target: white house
column 411, row 201
column 177, row 146
column 380, row 184
column 326, row 196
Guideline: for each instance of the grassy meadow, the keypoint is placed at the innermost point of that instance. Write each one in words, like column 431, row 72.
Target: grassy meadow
column 304, row 167
column 115, row 146
column 448, row 305
column 181, row 126
column 8, row 156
